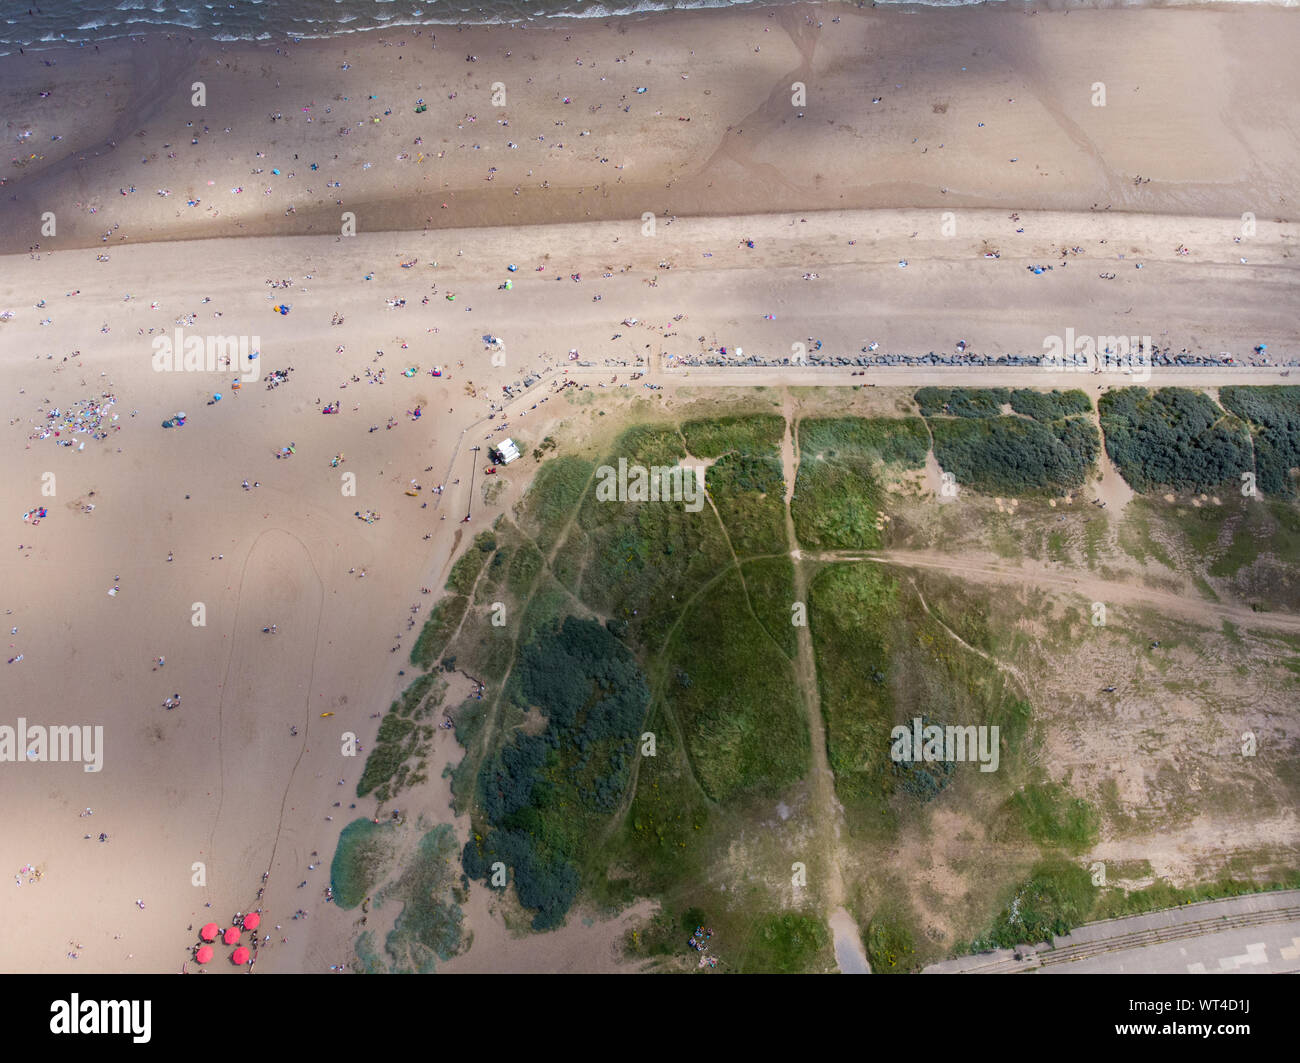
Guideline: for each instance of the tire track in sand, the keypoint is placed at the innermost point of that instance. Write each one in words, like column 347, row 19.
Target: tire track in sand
column 250, row 718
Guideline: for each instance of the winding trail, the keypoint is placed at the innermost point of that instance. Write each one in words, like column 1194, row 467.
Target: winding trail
column 1009, row 669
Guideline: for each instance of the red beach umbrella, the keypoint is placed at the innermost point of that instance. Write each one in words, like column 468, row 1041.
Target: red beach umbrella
column 204, row 954
column 231, row 935
column 210, row 932
column 252, row 921
column 240, row 956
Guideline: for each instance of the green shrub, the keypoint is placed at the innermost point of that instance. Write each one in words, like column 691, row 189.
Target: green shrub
column 1172, row 438
column 1058, row 897
column 1050, row 406
column 1011, row 455
column 1274, row 416
column 962, row 402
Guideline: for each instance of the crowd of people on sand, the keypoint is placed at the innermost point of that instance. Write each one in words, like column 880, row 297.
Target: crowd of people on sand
column 699, row 941
column 29, row 874
column 90, row 417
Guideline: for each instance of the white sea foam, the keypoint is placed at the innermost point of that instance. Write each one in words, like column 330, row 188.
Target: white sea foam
column 262, row 20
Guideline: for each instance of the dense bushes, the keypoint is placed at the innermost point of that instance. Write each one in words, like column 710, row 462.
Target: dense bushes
column 1172, row 438
column 547, row 886
column 1051, row 451
column 1274, row 415
column 962, row 402
column 540, row 793
column 988, row 402
column 1049, row 406
column 1012, row 455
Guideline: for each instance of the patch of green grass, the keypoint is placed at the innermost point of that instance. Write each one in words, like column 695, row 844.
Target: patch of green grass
column 1096, row 531
column 897, row 442
column 467, row 567
column 415, row 692
column 753, row 434
column 770, row 582
column 1115, row 903
column 1052, row 818
column 1057, row 897
column 553, row 497
column 524, row 567
column 1056, row 546
column 545, row 610
column 749, row 493
column 429, row 928
column 838, row 499
column 469, row 720
column 881, row 662
column 496, row 569
column 438, row 629
column 641, row 560
column 484, row 648
column 398, row 741
column 660, row 838
column 785, row 943
column 358, row 862
column 735, row 696
column 1128, row 869
column 891, row 949
column 463, row 777
column 1135, row 537
column 837, row 505
column 853, row 612
column 665, row 934
column 401, row 738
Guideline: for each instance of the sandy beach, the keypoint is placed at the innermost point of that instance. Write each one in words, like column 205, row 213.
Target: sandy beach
column 982, row 114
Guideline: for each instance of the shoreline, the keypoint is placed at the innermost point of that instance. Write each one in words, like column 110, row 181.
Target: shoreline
column 641, row 10
column 973, row 114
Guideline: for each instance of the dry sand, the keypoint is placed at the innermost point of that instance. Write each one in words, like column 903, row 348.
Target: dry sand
column 221, row 781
